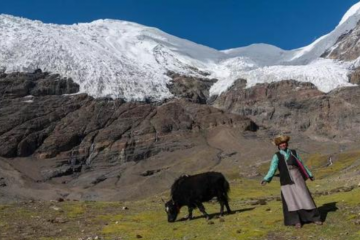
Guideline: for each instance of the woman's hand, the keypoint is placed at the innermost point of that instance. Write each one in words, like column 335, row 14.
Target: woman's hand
column 263, row 182
column 312, row 178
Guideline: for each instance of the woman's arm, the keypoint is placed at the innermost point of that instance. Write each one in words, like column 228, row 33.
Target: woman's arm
column 272, row 169
column 306, row 168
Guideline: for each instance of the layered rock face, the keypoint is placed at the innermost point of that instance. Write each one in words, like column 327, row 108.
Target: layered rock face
column 47, row 124
column 74, row 137
column 26, row 117
column 290, row 106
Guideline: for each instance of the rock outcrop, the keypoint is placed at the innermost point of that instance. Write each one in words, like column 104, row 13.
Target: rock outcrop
column 354, row 77
column 81, row 140
column 347, row 47
column 290, row 106
column 191, row 88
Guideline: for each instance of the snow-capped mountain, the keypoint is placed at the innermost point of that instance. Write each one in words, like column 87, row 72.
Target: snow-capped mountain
column 123, row 59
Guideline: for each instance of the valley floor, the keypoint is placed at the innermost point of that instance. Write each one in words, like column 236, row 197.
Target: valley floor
column 257, row 213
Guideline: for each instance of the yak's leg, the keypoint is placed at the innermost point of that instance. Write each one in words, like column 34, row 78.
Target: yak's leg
column 202, row 209
column 189, row 216
column 227, row 206
column 221, row 207
column 223, row 201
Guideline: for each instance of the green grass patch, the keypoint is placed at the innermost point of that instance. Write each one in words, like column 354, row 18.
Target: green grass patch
column 317, row 164
column 74, row 210
column 342, row 162
column 251, row 188
column 147, row 218
column 249, row 222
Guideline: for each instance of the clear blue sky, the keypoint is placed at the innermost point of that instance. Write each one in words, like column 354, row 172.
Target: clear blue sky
column 221, row 24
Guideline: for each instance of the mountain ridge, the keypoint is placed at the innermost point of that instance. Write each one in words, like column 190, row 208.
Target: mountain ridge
column 119, row 59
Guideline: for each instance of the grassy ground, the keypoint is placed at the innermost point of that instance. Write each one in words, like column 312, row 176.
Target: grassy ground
column 257, row 213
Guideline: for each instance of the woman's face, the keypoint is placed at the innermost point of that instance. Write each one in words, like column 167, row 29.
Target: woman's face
column 283, row 146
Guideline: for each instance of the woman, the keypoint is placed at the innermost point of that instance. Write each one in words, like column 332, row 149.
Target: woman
column 298, row 205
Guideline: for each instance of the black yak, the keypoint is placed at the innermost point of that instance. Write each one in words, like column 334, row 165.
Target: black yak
column 192, row 191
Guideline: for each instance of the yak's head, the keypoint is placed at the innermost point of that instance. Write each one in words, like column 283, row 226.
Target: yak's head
column 172, row 210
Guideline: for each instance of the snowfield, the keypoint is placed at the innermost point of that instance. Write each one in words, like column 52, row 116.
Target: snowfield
column 112, row 58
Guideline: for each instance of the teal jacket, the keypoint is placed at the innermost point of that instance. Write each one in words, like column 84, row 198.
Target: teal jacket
column 275, row 161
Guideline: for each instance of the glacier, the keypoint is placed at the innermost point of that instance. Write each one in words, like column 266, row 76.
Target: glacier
column 119, row 59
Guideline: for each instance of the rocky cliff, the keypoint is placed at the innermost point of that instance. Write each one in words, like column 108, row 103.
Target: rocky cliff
column 80, row 141
column 290, row 106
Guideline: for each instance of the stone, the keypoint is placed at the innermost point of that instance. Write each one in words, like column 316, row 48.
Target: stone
column 55, row 208
column 58, row 220
column 2, row 182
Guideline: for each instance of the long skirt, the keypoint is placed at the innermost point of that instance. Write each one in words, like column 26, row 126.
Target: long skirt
column 298, row 204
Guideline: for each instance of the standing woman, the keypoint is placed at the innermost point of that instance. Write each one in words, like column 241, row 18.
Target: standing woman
column 298, row 205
